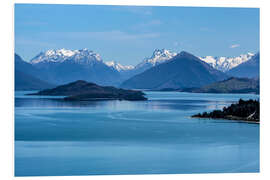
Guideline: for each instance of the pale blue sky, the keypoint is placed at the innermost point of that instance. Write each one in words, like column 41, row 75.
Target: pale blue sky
column 127, row 34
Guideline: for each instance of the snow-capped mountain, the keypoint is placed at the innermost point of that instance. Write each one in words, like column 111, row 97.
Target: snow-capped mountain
column 220, row 63
column 159, row 56
column 83, row 56
column 182, row 71
column 118, row 66
column 64, row 66
column 226, row 63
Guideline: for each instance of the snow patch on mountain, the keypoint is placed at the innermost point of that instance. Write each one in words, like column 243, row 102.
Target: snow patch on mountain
column 118, row 66
column 226, row 63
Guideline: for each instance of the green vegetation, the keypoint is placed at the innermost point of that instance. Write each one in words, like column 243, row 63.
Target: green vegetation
column 244, row 110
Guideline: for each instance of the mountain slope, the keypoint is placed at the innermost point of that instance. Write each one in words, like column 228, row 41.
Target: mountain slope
column 27, row 82
column 182, row 71
column 231, row 85
column 248, row 69
column 24, row 66
column 24, row 80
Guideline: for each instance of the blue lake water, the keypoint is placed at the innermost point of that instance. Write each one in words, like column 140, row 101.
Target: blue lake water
column 54, row 137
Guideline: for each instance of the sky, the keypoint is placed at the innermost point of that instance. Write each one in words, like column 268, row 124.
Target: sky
column 128, row 34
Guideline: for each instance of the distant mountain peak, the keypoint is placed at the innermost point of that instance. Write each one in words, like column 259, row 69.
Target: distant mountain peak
column 185, row 54
column 162, row 52
column 158, row 56
column 60, row 52
column 61, row 55
column 119, row 67
column 226, row 63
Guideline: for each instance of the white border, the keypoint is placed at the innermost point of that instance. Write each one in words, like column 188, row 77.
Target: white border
column 7, row 104
column 208, row 3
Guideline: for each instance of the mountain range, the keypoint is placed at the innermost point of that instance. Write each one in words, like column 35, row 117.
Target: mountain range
column 159, row 56
column 64, row 66
column 226, row 63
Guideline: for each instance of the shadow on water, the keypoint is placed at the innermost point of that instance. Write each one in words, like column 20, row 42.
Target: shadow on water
column 116, row 104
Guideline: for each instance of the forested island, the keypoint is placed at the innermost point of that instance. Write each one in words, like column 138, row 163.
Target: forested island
column 243, row 110
column 82, row 91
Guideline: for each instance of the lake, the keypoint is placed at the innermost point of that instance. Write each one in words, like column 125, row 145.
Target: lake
column 58, row 138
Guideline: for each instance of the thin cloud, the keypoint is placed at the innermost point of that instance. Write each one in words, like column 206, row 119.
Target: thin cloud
column 115, row 35
column 45, row 38
column 31, row 42
column 146, row 11
column 177, row 43
column 146, row 25
column 235, row 46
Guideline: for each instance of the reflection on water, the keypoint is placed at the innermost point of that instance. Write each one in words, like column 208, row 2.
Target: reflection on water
column 171, row 100
column 56, row 137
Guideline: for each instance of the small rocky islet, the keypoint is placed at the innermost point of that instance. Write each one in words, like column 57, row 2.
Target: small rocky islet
column 83, row 91
column 243, row 110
